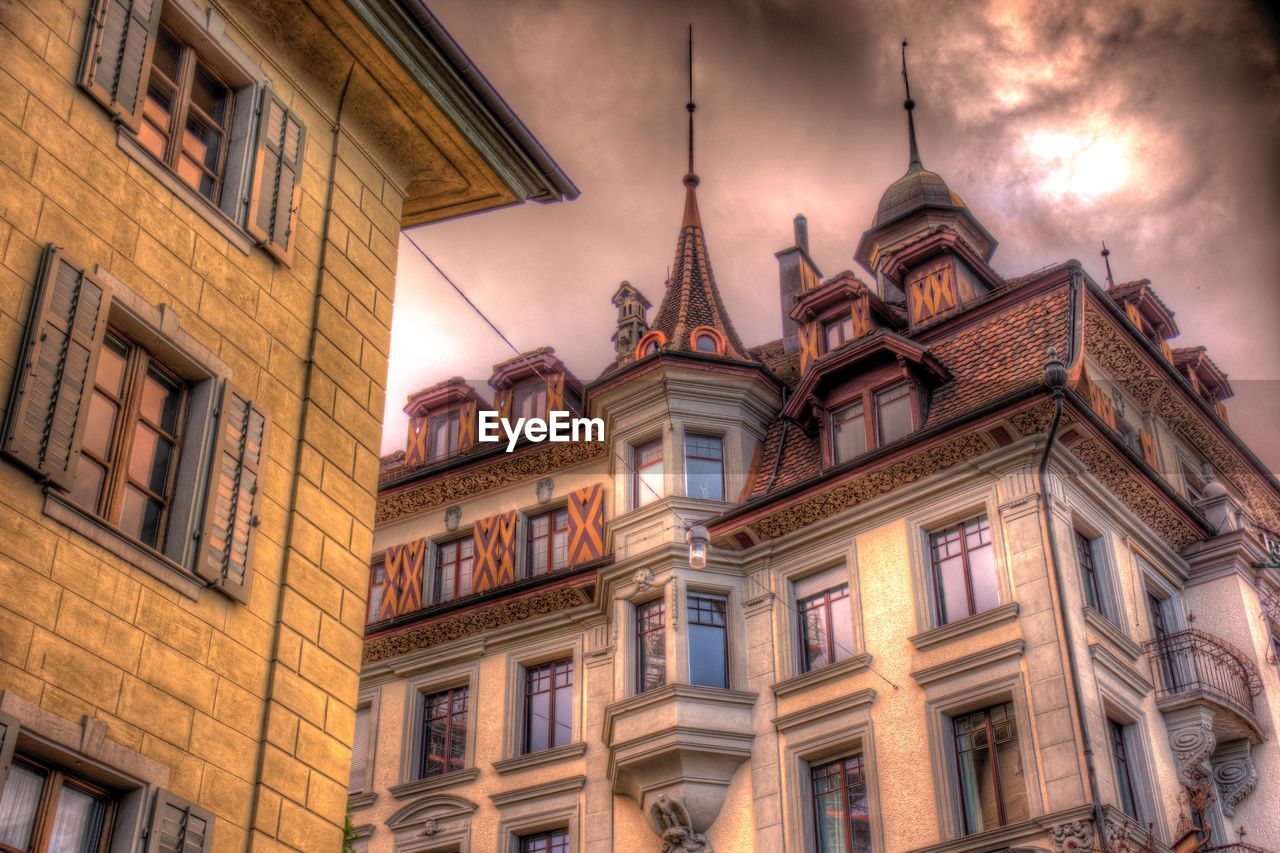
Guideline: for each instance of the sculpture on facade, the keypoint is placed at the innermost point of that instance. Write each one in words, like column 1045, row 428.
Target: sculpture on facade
column 674, row 826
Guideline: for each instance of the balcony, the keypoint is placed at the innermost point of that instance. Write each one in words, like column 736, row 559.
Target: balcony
column 1196, row 667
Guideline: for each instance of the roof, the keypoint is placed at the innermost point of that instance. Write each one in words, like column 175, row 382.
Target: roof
column 692, row 298
column 918, row 188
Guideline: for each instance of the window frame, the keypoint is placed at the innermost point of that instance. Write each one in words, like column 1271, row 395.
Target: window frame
column 369, row 698
column 833, row 648
column 452, row 429
column 55, row 777
column 843, row 322
column 868, row 394
column 526, row 712
column 660, row 601
column 552, row 515
column 719, row 439
column 533, row 389
column 1086, row 549
column 522, row 841
column 846, row 822
column 992, row 748
column 689, row 623
column 1122, row 769
column 437, row 566
column 377, row 567
column 637, row 470
column 418, row 768
column 938, row 607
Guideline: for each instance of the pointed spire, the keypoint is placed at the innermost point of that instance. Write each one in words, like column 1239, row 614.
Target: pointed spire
column 910, row 106
column 692, row 298
column 1106, row 259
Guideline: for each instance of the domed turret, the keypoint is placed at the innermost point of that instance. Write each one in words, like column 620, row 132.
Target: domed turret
column 918, row 188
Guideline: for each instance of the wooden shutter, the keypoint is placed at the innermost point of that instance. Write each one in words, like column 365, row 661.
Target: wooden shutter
column 49, row 405
column 467, row 426
column 586, row 524
column 495, row 552
column 231, row 510
column 555, row 394
column 178, row 826
column 117, row 55
column 1148, row 445
column 861, row 311
column 502, row 403
column 8, row 740
column 931, row 292
column 415, row 449
column 360, row 752
column 402, row 591
column 809, row 333
column 277, row 171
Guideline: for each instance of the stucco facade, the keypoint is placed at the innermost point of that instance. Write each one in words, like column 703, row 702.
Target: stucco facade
column 962, row 591
column 195, row 673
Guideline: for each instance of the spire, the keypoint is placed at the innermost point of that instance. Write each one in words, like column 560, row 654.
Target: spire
column 692, row 298
column 910, row 106
column 1106, row 259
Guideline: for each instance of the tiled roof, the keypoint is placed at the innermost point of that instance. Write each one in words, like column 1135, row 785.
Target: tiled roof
column 782, row 364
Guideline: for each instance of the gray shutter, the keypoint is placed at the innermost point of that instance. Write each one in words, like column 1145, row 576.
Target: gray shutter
column 360, row 752
column 117, row 55
column 8, row 740
column 178, row 826
column 231, row 510
column 277, row 172
column 49, row 407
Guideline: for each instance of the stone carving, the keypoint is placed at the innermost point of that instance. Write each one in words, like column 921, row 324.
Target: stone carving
column 476, row 621
column 674, row 826
column 544, row 488
column 1135, row 493
column 929, row 461
column 1072, row 836
column 514, row 468
column 452, row 518
column 643, row 579
column 1155, row 392
column 1193, row 741
column 429, row 828
column 1033, row 419
column 1235, row 773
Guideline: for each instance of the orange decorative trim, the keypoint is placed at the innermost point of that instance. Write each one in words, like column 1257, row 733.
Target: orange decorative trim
column 715, row 334
column 650, row 337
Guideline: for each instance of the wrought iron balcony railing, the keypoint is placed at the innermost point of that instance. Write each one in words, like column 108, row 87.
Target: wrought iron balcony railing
column 1193, row 660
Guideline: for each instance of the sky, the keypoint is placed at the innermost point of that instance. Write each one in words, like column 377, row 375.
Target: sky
column 1154, row 126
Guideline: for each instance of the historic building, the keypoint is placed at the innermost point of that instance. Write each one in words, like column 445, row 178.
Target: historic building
column 200, row 205
column 961, row 562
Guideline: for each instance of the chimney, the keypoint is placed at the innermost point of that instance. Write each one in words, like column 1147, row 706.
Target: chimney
column 796, row 274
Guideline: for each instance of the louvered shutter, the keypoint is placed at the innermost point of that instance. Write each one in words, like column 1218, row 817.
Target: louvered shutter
column 586, row 524
column 117, row 55
column 8, row 740
column 277, row 171
column 49, row 405
column 231, row 510
column 360, row 752
column 178, row 826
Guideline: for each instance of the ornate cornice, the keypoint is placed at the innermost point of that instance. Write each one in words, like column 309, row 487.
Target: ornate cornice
column 449, row 488
column 927, row 462
column 1120, row 357
column 1138, row 495
column 476, row 621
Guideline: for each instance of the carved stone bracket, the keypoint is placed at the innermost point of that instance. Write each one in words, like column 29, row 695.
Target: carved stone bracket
column 671, row 821
column 1235, row 773
column 1191, row 736
column 1072, row 836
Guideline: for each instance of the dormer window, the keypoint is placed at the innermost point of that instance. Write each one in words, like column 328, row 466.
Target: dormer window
column 848, row 432
column 529, row 401
column 705, row 343
column 444, row 435
column 853, row 434
column 836, row 333
column 893, row 413
column 707, row 339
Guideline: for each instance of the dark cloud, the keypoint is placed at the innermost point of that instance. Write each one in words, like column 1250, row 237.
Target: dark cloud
column 1154, row 126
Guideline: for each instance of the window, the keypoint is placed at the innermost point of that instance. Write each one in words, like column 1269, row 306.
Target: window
column 1123, row 769
column 1194, row 476
column 840, row 816
column 893, row 413
column 1086, row 557
column 849, row 431
column 377, row 585
column 359, row 780
column 186, row 117
column 708, row 640
column 548, row 541
column 45, row 809
column 444, row 435
column 647, row 481
column 704, row 466
column 964, row 570
column 651, row 645
column 1169, row 656
column 452, row 577
column 651, row 347
column 548, row 705
column 826, row 623
column 989, row 765
column 838, row 332
column 129, row 454
column 553, row 841
column 444, row 732
column 705, row 342
column 529, row 401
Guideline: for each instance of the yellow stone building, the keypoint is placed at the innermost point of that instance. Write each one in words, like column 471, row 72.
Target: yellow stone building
column 200, row 206
column 961, row 563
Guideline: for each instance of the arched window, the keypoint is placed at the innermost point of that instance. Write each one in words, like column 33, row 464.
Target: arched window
column 705, row 343
column 651, row 343
column 707, row 339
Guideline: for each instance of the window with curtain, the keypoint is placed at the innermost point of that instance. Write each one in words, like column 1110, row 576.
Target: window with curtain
column 45, row 810
column 548, row 705
column 647, row 481
column 651, row 645
column 708, row 640
column 704, row 466
column 964, row 570
column 444, row 732
column 842, row 822
column 547, row 542
column 992, row 788
column 825, row 619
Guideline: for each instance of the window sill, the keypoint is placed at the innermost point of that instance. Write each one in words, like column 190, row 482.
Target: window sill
column 356, row 802
column 834, row 671
column 1105, row 628
column 966, row 627
column 433, row 783
column 131, row 551
column 537, row 759
column 1000, row 838
column 203, row 208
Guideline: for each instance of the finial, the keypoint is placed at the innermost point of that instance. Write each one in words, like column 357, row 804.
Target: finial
column 1106, row 259
column 691, row 178
column 909, row 105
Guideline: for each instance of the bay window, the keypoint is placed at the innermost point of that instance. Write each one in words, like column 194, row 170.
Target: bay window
column 647, row 480
column 651, row 645
column 704, row 466
column 708, row 640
